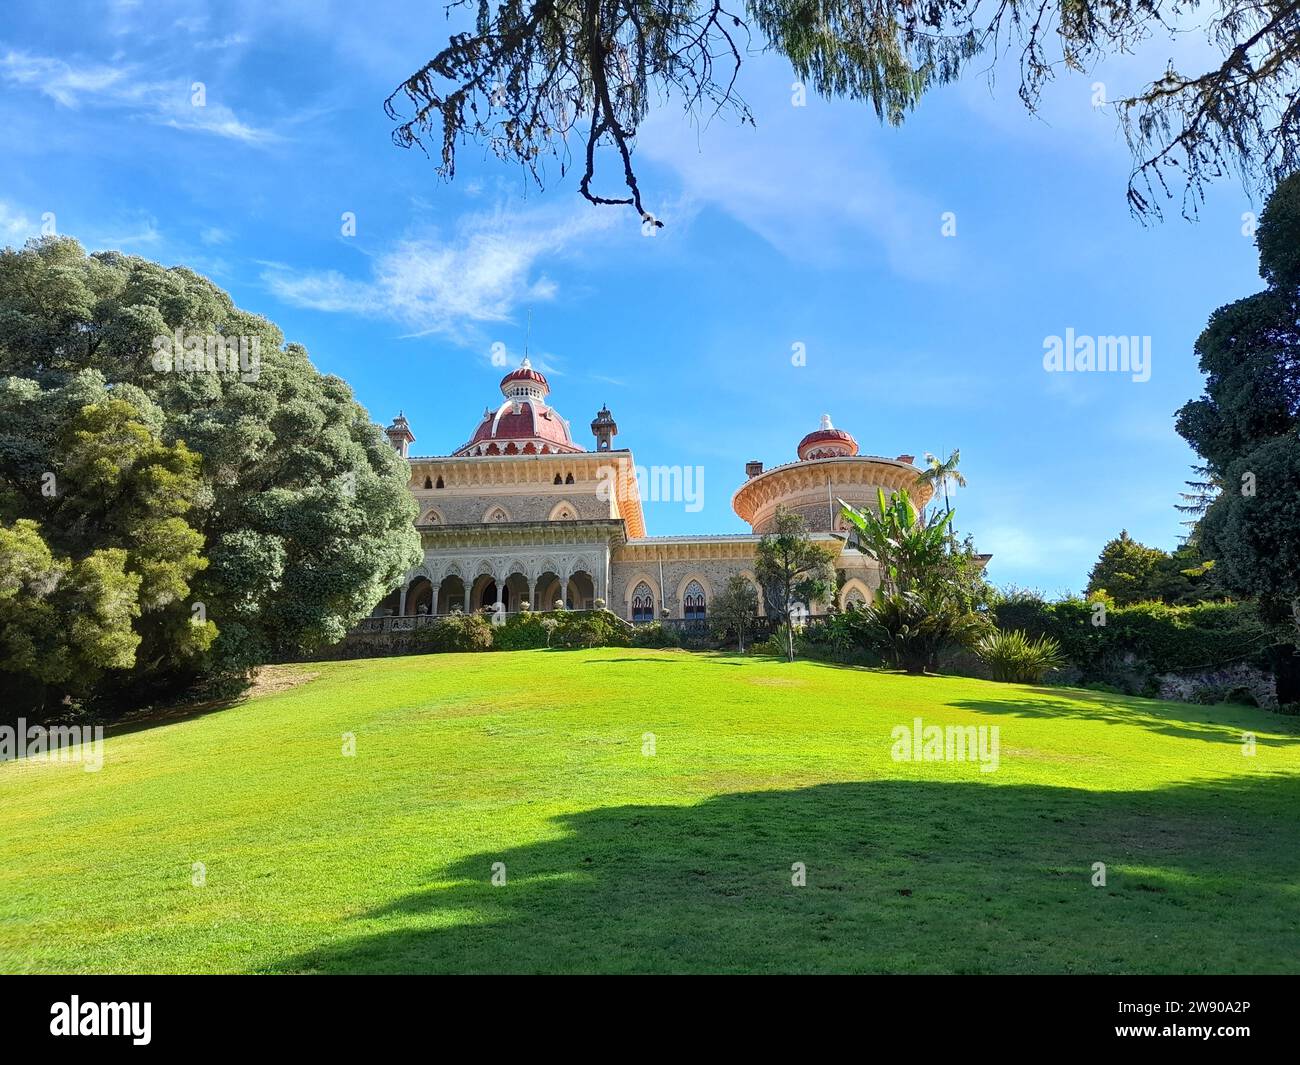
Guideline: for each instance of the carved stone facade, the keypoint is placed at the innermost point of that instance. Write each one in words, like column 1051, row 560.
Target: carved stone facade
column 520, row 514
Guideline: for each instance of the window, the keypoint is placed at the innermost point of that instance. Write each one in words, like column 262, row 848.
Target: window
column 569, row 479
column 643, row 603
column 497, row 514
column 440, row 484
column 693, row 602
column 855, row 600
column 559, row 479
column 428, row 482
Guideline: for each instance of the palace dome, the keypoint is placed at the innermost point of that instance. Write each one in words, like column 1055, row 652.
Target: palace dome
column 827, row 442
column 524, row 424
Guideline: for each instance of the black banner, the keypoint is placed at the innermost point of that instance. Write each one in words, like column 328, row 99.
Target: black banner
column 213, row 1013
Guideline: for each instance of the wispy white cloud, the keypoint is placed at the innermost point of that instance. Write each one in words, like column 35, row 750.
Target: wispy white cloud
column 434, row 284
column 796, row 180
column 121, row 87
column 15, row 226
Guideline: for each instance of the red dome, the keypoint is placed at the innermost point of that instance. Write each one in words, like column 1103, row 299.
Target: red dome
column 525, row 373
column 525, row 429
column 523, row 424
column 827, row 442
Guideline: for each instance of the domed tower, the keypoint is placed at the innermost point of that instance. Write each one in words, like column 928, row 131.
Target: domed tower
column 524, row 424
column 828, row 469
column 400, row 436
column 604, row 428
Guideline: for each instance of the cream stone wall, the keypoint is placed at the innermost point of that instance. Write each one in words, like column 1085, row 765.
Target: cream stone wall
column 668, row 564
column 540, row 503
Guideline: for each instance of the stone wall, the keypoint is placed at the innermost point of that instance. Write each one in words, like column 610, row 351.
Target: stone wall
column 535, row 503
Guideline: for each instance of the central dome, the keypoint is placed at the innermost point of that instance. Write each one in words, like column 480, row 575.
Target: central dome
column 524, row 424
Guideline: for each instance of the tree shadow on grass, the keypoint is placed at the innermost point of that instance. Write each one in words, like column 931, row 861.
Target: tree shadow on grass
column 1166, row 719
column 901, row 876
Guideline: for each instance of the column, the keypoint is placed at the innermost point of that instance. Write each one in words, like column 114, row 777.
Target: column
column 401, row 601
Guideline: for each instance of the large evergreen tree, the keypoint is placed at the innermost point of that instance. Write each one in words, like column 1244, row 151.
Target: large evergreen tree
column 302, row 507
column 1247, row 424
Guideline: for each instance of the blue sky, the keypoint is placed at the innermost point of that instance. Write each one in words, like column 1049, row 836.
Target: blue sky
column 818, row 227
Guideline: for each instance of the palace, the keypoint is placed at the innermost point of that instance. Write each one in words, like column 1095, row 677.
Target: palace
column 521, row 513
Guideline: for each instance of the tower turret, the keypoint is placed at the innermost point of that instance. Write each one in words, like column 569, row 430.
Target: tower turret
column 605, row 429
column 400, row 435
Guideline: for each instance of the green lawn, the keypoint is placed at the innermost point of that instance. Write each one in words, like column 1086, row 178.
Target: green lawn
column 618, row 861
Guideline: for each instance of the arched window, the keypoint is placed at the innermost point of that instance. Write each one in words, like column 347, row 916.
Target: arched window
column 559, row 479
column 440, row 484
column 569, row 479
column 497, row 514
column 428, row 482
column 643, row 603
column 693, row 602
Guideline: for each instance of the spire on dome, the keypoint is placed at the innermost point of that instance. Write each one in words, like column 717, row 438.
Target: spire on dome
column 826, row 422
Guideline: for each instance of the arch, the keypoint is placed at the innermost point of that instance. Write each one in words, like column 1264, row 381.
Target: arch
column 558, row 479
column 855, row 591
column 629, row 588
column 512, row 449
column 547, row 589
column 693, row 602
column 563, row 511
column 451, row 594
column 439, row 484
column 641, row 603
column 420, row 596
column 432, row 516
column 580, row 590
column 568, row 479
column 705, row 587
column 428, row 482
column 496, row 513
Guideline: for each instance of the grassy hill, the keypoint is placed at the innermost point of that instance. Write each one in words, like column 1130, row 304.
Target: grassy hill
column 616, row 860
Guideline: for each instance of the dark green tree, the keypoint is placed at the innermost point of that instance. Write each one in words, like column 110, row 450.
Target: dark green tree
column 794, row 571
column 539, row 80
column 303, row 507
column 1246, row 426
column 734, row 610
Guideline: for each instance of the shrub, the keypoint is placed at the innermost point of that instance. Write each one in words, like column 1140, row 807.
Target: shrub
column 1012, row 656
column 594, row 628
column 918, row 627
column 459, row 632
column 521, row 632
column 655, row 635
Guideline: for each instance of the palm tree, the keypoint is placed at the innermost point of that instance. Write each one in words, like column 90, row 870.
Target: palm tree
column 941, row 475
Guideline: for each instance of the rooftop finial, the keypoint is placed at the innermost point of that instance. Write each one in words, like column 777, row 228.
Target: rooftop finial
column 826, row 422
